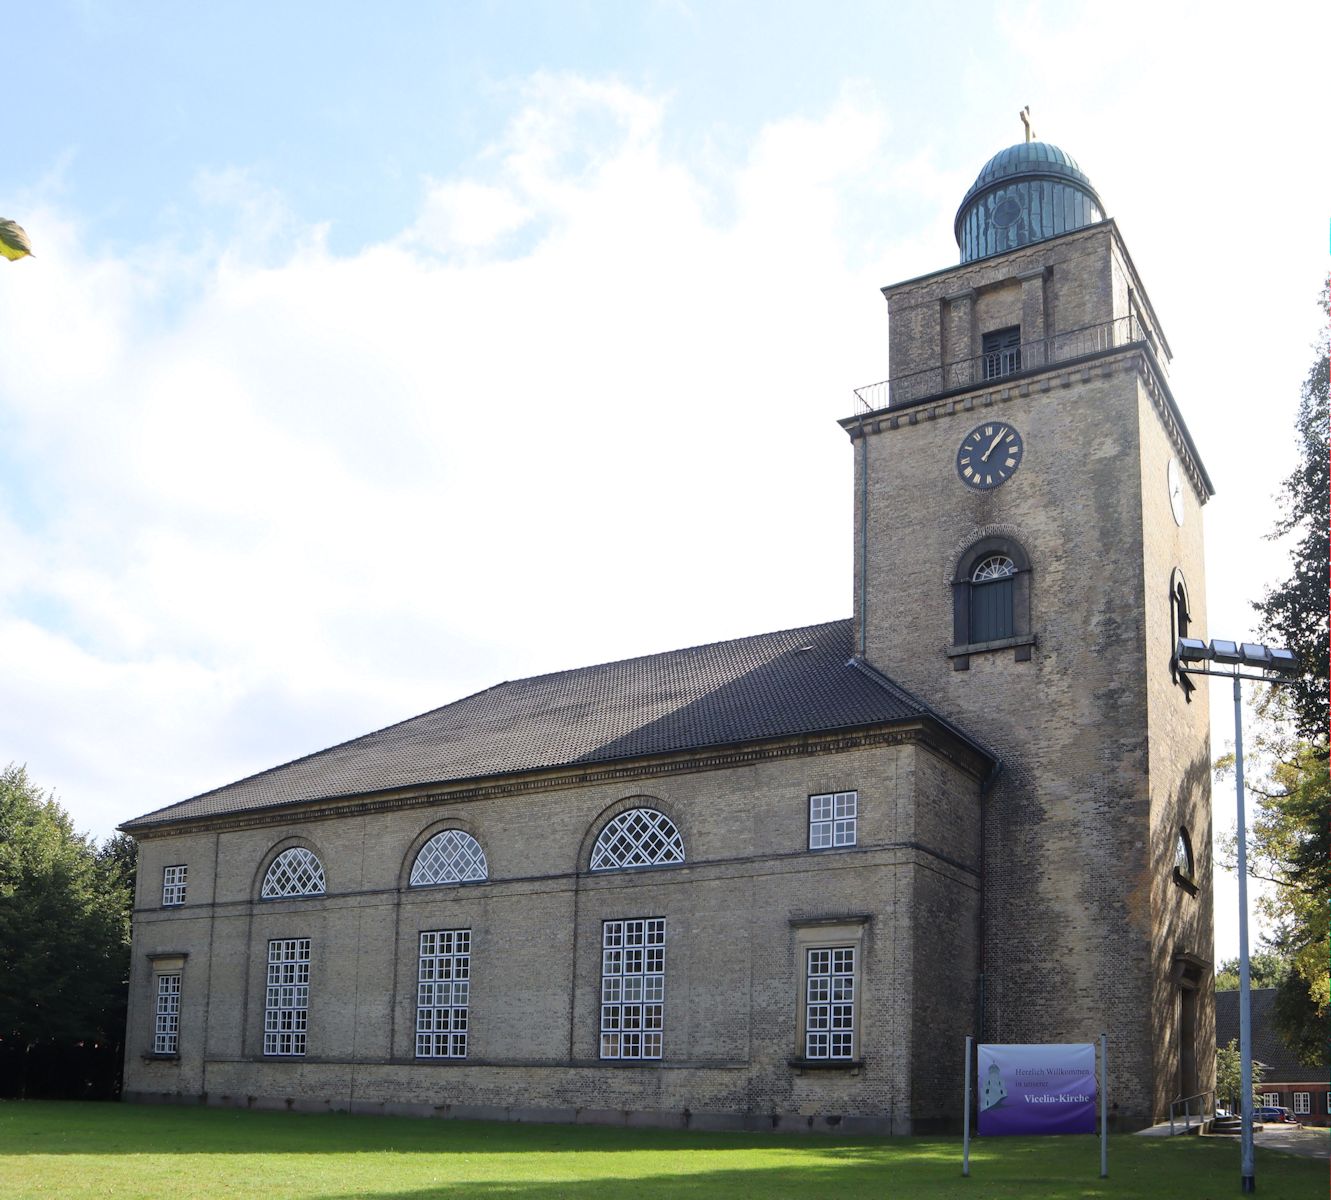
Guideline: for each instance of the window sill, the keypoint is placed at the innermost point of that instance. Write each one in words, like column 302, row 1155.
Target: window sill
column 1185, row 883
column 851, row 1066
column 1021, row 646
column 150, row 1057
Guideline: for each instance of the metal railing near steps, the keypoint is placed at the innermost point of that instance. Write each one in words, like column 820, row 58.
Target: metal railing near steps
column 1183, row 1109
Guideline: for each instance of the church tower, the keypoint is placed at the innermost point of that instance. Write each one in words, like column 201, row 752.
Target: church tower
column 1028, row 546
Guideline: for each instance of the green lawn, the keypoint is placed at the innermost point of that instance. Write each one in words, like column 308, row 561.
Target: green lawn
column 109, row 1150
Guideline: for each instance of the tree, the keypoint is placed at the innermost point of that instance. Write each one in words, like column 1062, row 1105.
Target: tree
column 1294, row 613
column 1292, row 827
column 64, row 947
column 1292, row 849
column 1229, row 1078
column 1265, row 969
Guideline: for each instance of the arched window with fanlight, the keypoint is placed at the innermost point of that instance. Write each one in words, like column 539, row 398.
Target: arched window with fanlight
column 991, row 601
column 991, row 598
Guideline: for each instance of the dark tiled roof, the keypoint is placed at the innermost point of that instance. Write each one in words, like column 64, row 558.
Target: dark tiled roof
column 774, row 685
column 1282, row 1063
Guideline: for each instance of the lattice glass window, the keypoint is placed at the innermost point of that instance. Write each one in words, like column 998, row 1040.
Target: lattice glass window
column 832, row 819
column 295, row 872
column 640, row 837
column 449, row 857
column 829, row 1003
column 173, row 884
column 1269, row 1099
column 166, row 1031
column 632, row 987
column 443, row 991
column 1302, row 1103
column 287, row 1005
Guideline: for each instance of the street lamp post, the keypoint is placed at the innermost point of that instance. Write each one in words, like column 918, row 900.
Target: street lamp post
column 1276, row 665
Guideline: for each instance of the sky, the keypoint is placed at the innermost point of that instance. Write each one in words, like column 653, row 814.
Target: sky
column 366, row 362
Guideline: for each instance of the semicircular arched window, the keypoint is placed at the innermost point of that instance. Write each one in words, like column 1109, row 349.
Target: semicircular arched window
column 449, row 857
column 996, row 566
column 638, row 837
column 294, row 872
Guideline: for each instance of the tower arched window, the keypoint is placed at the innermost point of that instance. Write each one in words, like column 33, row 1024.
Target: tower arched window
column 294, row 872
column 452, row 856
column 637, row 837
column 1185, row 867
column 991, row 601
column 991, row 598
column 1179, row 619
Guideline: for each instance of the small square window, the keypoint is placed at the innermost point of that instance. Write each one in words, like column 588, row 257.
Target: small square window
column 173, row 884
column 832, row 820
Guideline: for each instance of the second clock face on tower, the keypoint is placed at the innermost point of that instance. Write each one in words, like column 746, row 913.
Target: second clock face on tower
column 989, row 455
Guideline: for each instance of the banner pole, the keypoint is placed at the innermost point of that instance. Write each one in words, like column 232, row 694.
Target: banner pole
column 966, row 1117
column 1104, row 1106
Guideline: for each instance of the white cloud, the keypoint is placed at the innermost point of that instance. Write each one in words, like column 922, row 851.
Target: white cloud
column 334, row 490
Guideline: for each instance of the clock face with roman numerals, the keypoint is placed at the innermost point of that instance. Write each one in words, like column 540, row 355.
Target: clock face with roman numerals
column 989, row 455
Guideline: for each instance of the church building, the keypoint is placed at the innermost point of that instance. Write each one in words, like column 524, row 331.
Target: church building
column 773, row 883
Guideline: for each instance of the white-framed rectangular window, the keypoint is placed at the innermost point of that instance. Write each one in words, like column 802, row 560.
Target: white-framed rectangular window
column 829, row 1002
column 831, row 959
column 1302, row 1103
column 443, row 993
column 166, row 1028
column 287, row 1004
column 632, row 987
column 832, row 818
column 173, row 884
column 1270, row 1099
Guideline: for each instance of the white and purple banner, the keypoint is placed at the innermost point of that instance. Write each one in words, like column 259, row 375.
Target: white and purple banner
column 1037, row 1089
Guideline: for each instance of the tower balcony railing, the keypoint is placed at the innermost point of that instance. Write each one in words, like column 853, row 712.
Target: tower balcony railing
column 1012, row 361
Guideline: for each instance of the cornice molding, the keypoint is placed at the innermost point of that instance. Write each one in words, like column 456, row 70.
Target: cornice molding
column 923, row 731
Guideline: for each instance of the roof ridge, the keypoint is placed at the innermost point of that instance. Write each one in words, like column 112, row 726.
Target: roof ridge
column 618, row 662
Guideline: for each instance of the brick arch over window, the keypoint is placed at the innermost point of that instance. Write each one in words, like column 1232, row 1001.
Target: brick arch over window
column 991, row 600
column 451, row 856
column 637, row 837
column 294, row 871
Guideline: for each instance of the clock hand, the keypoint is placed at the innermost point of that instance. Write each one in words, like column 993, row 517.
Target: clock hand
column 998, row 437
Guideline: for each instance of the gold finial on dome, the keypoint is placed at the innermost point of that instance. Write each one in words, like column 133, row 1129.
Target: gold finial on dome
column 1025, row 116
